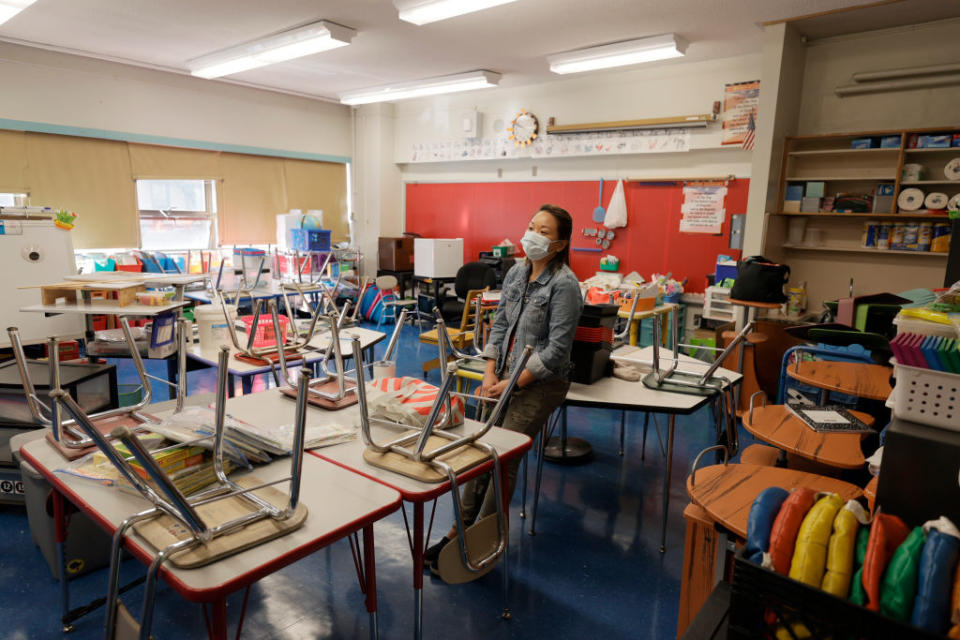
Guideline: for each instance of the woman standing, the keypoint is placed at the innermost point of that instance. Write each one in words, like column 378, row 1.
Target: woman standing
column 540, row 306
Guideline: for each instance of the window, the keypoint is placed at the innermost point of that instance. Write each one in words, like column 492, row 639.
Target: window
column 13, row 199
column 177, row 214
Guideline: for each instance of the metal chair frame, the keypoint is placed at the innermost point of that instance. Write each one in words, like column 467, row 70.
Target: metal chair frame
column 50, row 415
column 171, row 501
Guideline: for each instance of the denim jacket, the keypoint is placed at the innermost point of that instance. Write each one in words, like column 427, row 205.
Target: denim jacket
column 547, row 321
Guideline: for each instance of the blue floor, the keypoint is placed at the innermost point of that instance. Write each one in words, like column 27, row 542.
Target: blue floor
column 593, row 569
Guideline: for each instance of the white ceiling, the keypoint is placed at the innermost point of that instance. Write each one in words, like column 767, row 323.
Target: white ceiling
column 511, row 39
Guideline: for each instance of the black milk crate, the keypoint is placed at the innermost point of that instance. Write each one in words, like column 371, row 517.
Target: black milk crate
column 757, row 590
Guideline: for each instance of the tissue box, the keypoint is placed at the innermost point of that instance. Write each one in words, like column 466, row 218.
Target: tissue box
column 810, row 205
column 815, row 189
column 889, row 142
column 934, row 141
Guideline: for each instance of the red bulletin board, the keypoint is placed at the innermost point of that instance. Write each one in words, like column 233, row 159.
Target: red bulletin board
column 484, row 213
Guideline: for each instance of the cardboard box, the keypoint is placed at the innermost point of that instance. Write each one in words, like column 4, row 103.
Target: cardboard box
column 791, row 206
column 396, row 254
column 890, row 142
column 810, row 205
column 815, row 189
column 437, row 257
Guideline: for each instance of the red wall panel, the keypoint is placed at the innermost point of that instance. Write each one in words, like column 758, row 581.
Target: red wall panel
column 483, row 214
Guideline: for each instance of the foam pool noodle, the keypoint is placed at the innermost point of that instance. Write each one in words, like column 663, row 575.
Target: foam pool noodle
column 783, row 534
column 840, row 549
column 931, row 609
column 887, row 533
column 810, row 552
column 857, row 594
column 763, row 512
column 899, row 585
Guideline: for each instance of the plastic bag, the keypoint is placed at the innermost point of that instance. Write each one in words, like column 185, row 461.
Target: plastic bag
column 617, row 209
column 406, row 400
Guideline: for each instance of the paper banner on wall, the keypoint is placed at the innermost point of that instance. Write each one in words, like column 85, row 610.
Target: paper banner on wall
column 740, row 102
column 703, row 207
column 554, row 146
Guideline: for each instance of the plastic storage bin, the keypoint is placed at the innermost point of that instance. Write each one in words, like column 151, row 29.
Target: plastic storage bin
column 310, row 239
column 926, row 396
column 87, row 547
column 265, row 336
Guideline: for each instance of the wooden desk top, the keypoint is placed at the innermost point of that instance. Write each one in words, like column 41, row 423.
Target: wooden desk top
column 757, row 305
column 727, row 492
column 777, row 425
column 871, row 381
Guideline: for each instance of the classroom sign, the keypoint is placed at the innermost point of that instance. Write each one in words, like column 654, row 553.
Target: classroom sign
column 703, row 209
column 740, row 102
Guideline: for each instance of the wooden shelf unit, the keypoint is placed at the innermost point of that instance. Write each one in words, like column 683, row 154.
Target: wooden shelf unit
column 837, row 258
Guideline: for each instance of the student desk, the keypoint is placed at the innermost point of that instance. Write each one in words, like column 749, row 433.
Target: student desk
column 340, row 504
column 777, row 425
column 869, row 381
column 205, row 357
column 268, row 289
column 622, row 395
column 264, row 407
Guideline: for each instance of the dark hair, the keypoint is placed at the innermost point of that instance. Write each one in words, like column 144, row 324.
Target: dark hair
column 564, row 232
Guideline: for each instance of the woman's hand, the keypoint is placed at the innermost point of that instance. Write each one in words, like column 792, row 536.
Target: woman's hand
column 496, row 390
column 490, row 380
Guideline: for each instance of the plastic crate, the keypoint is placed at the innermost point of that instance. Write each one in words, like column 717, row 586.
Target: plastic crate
column 310, row 239
column 763, row 602
column 927, row 397
column 265, row 336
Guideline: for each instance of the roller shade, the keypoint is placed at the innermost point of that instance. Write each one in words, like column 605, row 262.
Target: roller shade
column 253, row 194
column 13, row 161
column 152, row 162
column 319, row 185
column 91, row 177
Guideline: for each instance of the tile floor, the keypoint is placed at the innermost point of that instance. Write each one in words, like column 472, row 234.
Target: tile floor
column 592, row 571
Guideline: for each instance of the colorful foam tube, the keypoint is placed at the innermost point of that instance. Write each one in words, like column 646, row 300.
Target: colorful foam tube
column 939, row 558
column 810, row 553
column 899, row 585
column 887, row 533
column 763, row 512
column 857, row 594
column 955, row 607
column 840, row 550
column 786, row 526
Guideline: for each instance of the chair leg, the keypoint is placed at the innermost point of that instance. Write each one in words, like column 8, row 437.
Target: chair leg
column 623, row 420
column 523, row 496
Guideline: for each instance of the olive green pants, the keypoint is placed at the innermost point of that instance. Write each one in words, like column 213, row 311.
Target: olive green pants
column 528, row 410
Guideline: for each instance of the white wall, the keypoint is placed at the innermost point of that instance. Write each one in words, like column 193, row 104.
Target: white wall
column 72, row 91
column 668, row 90
column 831, row 62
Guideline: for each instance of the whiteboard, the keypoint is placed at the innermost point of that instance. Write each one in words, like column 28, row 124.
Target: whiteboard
column 34, row 252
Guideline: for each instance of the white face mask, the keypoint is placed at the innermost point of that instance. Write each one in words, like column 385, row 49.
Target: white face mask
column 536, row 246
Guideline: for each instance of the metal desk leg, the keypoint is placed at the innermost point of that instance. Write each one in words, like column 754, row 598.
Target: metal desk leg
column 246, row 383
column 231, row 385
column 505, row 498
column 218, row 619
column 567, row 450
column 623, row 421
column 548, row 428
column 523, row 496
column 60, row 527
column 370, row 586
column 666, row 482
column 172, row 372
column 643, row 446
column 417, row 570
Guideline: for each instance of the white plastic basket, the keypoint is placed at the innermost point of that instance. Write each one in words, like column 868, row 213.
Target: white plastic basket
column 927, row 397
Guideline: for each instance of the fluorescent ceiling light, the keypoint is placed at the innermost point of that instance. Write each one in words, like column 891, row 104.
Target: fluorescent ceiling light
column 431, row 87
column 287, row 45
column 10, row 8
column 421, row 12
column 618, row 54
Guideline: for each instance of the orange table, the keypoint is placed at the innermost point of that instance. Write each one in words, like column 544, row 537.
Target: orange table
column 870, row 381
column 777, row 425
column 726, row 492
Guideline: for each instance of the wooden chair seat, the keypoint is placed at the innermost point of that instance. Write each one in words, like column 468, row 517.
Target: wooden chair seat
column 760, row 454
column 777, row 425
column 870, row 381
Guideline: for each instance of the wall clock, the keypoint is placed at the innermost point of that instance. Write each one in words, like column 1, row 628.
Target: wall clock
column 524, row 128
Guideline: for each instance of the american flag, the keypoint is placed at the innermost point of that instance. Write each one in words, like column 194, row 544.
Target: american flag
column 749, row 137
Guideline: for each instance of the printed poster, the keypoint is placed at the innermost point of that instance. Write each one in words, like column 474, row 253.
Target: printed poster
column 740, row 102
column 703, row 208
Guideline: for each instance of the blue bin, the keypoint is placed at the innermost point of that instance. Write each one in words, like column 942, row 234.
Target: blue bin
column 310, row 239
